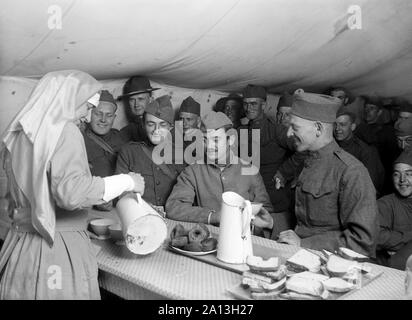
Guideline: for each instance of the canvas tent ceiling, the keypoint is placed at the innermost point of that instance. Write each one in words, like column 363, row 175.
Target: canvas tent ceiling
column 212, row 44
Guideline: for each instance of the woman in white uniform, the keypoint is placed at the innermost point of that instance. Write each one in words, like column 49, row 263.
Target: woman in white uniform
column 47, row 253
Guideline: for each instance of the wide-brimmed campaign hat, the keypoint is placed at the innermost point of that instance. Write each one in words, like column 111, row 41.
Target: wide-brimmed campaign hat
column 136, row 85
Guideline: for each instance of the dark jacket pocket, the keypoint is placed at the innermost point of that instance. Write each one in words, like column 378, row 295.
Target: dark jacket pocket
column 321, row 203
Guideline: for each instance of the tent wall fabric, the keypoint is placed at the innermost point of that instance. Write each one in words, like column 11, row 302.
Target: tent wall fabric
column 364, row 45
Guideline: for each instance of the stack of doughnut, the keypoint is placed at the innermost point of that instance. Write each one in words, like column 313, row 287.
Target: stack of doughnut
column 196, row 239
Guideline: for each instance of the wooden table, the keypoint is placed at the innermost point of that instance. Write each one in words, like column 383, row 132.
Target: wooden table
column 166, row 275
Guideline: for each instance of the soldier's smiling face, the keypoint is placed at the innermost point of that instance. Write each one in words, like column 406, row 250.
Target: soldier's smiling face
column 343, row 128
column 402, row 179
column 304, row 132
column 102, row 118
column 156, row 128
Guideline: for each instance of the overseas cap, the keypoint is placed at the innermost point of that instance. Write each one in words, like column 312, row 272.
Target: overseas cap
column 190, row 105
column 252, row 91
column 161, row 108
column 215, row 120
column 406, row 107
column 315, row 107
column 403, row 127
column 106, row 96
column 405, row 157
column 285, row 100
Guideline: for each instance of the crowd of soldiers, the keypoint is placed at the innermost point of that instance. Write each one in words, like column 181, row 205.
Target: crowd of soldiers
column 329, row 176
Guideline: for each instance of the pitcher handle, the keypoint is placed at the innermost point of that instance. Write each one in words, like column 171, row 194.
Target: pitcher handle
column 246, row 217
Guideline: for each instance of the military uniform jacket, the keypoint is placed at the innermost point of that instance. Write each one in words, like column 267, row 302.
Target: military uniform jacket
column 369, row 156
column 335, row 203
column 159, row 179
column 102, row 163
column 134, row 131
column 199, row 190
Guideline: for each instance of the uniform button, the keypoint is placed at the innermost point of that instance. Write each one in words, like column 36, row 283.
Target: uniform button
column 223, row 178
column 158, row 199
column 157, row 168
column 157, row 182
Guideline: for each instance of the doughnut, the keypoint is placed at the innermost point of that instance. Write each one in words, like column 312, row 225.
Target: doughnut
column 178, row 231
column 179, row 242
column 198, row 233
column 193, row 246
column 209, row 244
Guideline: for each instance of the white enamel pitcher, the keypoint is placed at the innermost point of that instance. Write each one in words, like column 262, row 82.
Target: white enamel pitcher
column 143, row 228
column 235, row 241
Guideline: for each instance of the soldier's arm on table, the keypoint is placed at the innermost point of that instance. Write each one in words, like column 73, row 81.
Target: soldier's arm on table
column 179, row 205
column 388, row 238
column 358, row 216
column 72, row 185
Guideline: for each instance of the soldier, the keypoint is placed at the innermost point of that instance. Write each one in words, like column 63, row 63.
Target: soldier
column 381, row 136
column 403, row 132
column 197, row 195
column 275, row 149
column 137, row 93
column 335, row 198
column 232, row 106
column 139, row 156
column 284, row 109
column 189, row 114
column 102, row 141
column 395, row 217
column 345, row 125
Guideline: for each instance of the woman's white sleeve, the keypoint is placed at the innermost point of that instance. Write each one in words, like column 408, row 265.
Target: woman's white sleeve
column 115, row 185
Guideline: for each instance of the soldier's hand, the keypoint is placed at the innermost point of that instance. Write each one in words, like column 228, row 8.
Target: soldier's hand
column 289, row 237
column 278, row 180
column 138, row 182
column 263, row 219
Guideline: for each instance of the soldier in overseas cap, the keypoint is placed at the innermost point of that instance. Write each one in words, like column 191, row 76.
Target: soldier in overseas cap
column 197, row 195
column 278, row 160
column 335, row 197
column 102, row 141
column 141, row 156
column 395, row 216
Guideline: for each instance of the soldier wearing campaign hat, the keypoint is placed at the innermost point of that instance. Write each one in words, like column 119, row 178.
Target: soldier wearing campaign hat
column 197, row 195
column 137, row 94
column 102, row 141
column 140, row 156
column 335, row 197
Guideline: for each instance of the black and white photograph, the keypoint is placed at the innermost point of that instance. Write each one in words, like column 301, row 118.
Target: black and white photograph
column 210, row 156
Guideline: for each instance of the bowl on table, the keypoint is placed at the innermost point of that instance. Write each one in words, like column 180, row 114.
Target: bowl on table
column 101, row 226
column 116, row 232
column 256, row 206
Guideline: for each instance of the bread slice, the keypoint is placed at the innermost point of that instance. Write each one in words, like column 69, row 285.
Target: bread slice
column 275, row 275
column 252, row 284
column 259, row 264
column 277, row 286
column 304, row 260
column 304, row 286
column 311, row 276
column 337, row 285
column 338, row 267
column 352, row 255
column 255, row 276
